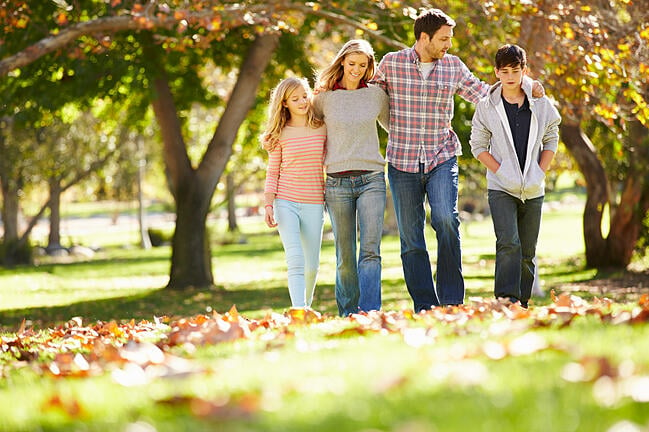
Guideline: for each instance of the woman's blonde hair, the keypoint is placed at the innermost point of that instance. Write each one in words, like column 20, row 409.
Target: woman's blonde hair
column 334, row 72
column 278, row 114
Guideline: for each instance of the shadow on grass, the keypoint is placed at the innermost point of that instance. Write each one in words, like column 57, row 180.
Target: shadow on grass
column 251, row 299
column 163, row 302
column 252, row 296
column 244, row 250
column 90, row 264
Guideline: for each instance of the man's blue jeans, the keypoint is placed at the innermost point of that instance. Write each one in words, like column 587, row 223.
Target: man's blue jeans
column 300, row 228
column 517, row 225
column 351, row 202
column 409, row 191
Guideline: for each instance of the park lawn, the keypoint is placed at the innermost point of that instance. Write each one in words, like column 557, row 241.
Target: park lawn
column 479, row 367
column 122, row 282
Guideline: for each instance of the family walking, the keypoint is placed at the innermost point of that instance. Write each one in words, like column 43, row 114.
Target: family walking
column 410, row 94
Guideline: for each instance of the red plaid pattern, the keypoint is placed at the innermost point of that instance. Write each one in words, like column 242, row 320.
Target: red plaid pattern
column 421, row 109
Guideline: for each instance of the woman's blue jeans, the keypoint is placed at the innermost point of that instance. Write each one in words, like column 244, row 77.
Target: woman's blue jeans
column 409, row 191
column 517, row 225
column 351, row 202
column 300, row 228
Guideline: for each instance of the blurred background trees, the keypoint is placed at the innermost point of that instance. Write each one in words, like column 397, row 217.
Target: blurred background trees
column 95, row 87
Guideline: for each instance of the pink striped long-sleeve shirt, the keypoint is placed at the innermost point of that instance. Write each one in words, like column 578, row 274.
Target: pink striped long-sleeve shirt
column 295, row 171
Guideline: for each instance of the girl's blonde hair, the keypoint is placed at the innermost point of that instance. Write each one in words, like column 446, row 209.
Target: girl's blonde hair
column 278, row 114
column 334, row 72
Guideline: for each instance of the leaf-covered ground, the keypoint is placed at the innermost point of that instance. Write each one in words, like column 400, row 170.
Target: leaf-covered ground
column 135, row 352
column 134, row 355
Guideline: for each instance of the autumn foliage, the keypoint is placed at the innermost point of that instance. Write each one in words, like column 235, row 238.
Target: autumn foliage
column 137, row 352
column 134, row 354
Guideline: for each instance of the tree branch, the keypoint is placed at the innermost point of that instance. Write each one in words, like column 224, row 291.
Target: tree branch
column 257, row 14
column 341, row 19
column 52, row 43
column 240, row 101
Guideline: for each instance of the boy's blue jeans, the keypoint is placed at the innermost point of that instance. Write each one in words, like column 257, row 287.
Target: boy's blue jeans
column 409, row 191
column 351, row 202
column 516, row 224
column 300, row 228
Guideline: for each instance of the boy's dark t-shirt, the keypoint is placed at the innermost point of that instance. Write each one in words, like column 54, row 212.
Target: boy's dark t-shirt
column 519, row 123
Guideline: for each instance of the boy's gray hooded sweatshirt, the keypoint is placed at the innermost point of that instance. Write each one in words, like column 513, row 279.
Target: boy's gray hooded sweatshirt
column 490, row 132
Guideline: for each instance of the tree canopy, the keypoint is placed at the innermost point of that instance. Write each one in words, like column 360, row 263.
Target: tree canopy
column 592, row 57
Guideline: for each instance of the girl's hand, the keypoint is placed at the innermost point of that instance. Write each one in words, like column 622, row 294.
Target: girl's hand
column 270, row 217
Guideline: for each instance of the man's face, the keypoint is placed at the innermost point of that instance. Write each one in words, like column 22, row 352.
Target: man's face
column 439, row 43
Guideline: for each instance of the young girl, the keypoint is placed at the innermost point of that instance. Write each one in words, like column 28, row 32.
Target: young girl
column 294, row 191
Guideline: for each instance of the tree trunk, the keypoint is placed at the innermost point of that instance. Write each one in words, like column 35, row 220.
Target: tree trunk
column 626, row 223
column 10, row 203
column 535, row 37
column 191, row 264
column 597, row 192
column 145, row 241
column 193, row 189
column 54, row 238
column 617, row 248
column 230, row 188
column 10, row 207
column 11, row 253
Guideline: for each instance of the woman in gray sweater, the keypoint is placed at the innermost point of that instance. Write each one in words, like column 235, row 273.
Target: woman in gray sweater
column 355, row 190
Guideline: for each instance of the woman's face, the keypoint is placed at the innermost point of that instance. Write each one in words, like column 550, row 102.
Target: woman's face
column 354, row 68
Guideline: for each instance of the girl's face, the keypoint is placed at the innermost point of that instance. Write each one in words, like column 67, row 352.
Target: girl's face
column 297, row 102
column 354, row 68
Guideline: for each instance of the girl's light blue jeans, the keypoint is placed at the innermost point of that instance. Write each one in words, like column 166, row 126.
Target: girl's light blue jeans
column 300, row 228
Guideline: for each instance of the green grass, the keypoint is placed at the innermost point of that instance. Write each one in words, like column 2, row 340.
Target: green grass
column 314, row 377
column 124, row 283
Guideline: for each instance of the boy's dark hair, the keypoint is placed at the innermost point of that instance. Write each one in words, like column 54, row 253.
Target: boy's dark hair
column 510, row 55
column 431, row 20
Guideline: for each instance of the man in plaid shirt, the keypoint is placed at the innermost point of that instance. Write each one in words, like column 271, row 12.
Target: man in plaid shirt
column 422, row 154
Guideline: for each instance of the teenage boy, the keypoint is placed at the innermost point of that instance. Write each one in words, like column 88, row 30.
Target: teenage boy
column 422, row 153
column 515, row 136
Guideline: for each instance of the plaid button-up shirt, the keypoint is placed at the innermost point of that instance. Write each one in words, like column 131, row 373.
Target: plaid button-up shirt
column 421, row 108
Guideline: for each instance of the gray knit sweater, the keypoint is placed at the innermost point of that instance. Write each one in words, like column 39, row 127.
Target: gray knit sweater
column 352, row 135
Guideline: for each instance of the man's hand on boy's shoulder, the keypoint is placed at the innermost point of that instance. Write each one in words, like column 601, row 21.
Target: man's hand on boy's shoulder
column 537, row 89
